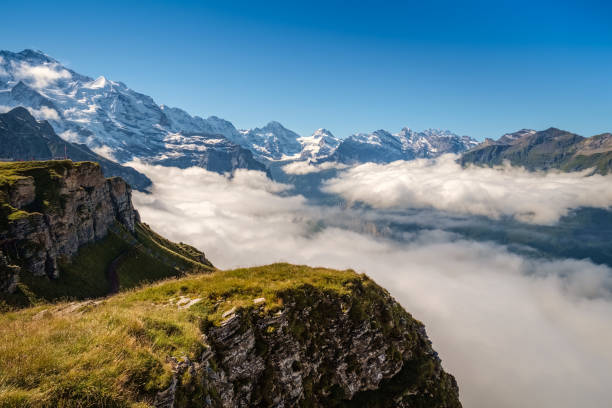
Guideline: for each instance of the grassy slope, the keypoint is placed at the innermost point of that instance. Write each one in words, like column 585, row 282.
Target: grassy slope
column 148, row 256
column 114, row 353
column 564, row 153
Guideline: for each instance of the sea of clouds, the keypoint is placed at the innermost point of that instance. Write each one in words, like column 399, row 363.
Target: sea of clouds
column 515, row 331
column 533, row 197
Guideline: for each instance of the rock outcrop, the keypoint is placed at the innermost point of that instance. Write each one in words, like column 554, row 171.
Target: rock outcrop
column 51, row 209
column 319, row 350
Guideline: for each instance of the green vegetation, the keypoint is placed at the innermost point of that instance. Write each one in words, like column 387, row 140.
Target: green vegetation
column 131, row 258
column 601, row 162
column 113, row 352
column 549, row 149
column 143, row 259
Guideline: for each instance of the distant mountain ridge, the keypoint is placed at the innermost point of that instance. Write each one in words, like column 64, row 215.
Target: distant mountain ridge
column 547, row 149
column 274, row 142
column 383, row 147
column 108, row 116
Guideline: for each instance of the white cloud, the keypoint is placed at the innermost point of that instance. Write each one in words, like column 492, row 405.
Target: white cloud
column 70, row 136
column 303, row 167
column 104, row 151
column 44, row 113
column 39, row 76
column 514, row 331
column 539, row 198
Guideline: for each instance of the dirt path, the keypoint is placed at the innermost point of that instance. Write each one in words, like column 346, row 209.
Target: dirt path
column 111, row 272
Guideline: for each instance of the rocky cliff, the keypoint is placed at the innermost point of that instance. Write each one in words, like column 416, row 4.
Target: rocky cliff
column 321, row 349
column 51, row 209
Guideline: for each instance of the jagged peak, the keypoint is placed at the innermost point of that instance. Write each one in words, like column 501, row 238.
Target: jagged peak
column 323, row 132
column 274, row 125
column 29, row 55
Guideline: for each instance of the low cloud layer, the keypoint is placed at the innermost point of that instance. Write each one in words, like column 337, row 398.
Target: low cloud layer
column 539, row 198
column 304, row 167
column 514, row 331
column 44, row 113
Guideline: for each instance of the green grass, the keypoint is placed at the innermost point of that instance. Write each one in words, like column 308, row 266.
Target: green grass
column 84, row 276
column 601, row 162
column 114, row 353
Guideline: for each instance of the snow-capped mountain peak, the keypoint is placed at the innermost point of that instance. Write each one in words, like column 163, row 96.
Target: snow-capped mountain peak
column 271, row 142
column 321, row 144
column 103, row 113
column 382, row 147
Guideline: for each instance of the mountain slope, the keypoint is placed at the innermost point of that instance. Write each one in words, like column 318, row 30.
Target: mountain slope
column 22, row 137
column 277, row 335
column 548, row 149
column 106, row 114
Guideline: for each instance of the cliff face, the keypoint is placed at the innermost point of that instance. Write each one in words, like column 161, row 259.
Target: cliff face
column 51, row 209
column 320, row 350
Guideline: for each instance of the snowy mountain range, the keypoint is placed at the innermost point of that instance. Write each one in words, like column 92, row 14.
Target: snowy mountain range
column 273, row 142
column 114, row 120
column 122, row 124
column 383, row 147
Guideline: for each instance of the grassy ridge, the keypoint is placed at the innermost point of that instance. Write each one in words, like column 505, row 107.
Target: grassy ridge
column 113, row 353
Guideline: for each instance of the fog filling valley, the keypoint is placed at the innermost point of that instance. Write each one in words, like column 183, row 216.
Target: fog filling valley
column 515, row 330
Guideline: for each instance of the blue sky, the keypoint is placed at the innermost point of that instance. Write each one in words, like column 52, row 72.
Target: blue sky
column 480, row 68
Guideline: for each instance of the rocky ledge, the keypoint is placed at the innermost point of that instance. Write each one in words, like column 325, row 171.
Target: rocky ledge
column 50, row 209
column 320, row 349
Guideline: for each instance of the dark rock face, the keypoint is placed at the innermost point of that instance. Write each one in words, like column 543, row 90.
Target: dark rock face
column 9, row 275
column 86, row 206
column 320, row 350
column 22, row 137
column 548, row 149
